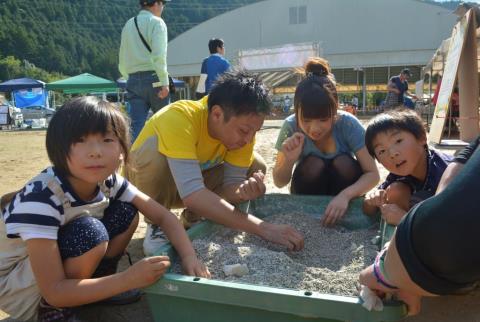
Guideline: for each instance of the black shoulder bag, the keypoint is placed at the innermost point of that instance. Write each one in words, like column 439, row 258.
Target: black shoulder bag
column 171, row 84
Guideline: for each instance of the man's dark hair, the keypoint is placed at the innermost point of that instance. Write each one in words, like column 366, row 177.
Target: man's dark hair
column 213, row 44
column 238, row 92
column 407, row 72
column 399, row 119
column 77, row 118
column 150, row 3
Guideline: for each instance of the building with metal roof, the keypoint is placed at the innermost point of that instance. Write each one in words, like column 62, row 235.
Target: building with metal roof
column 365, row 41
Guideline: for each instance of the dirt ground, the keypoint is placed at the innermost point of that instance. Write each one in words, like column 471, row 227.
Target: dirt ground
column 22, row 155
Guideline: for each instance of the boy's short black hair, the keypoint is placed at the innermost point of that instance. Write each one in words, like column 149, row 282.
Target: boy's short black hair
column 79, row 117
column 238, row 92
column 402, row 119
column 213, row 44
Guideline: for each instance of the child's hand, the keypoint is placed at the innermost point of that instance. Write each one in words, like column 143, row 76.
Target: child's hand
column 283, row 235
column 376, row 198
column 292, row 146
column 253, row 187
column 335, row 210
column 194, row 267
column 148, row 270
column 368, row 278
column 392, row 213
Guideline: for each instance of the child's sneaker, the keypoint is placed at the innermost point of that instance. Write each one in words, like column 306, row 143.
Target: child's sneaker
column 189, row 219
column 154, row 239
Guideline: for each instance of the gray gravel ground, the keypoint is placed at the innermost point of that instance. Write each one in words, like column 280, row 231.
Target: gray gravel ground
column 329, row 263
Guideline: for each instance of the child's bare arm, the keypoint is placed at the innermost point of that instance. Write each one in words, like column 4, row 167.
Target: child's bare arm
column 174, row 231
column 399, row 193
column 62, row 291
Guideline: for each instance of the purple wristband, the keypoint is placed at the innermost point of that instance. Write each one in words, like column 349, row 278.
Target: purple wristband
column 378, row 272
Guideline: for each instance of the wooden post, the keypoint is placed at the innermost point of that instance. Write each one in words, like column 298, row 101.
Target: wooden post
column 468, row 85
column 457, row 44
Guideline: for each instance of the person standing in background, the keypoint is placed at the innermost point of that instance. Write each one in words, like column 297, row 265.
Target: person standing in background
column 212, row 66
column 143, row 62
column 355, row 102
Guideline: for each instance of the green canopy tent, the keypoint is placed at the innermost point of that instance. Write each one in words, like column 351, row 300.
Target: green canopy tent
column 82, row 84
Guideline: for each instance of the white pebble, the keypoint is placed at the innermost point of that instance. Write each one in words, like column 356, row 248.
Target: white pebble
column 236, row 269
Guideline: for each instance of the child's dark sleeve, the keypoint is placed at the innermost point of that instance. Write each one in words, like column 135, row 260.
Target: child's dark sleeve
column 466, row 153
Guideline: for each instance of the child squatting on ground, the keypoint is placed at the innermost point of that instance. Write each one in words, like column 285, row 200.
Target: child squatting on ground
column 327, row 146
column 435, row 247
column 398, row 140
column 62, row 235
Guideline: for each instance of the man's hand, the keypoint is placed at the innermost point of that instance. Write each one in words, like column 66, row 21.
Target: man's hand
column 253, row 187
column 283, row 235
column 292, row 146
column 163, row 92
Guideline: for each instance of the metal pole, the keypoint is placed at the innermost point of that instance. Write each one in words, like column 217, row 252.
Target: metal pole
column 430, row 96
column 364, row 89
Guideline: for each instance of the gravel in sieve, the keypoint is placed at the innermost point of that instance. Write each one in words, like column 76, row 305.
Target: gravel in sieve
column 329, row 263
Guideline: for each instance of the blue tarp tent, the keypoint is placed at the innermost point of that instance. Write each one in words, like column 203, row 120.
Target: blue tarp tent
column 26, row 92
column 121, row 83
column 31, row 97
column 20, row 83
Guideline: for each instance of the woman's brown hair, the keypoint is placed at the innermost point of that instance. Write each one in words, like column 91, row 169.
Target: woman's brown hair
column 316, row 94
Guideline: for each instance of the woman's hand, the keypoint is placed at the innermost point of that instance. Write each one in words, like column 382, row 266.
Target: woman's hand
column 292, row 147
column 335, row 210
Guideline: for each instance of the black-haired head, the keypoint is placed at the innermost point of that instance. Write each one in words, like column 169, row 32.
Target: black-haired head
column 79, row 117
column 402, row 119
column 238, row 92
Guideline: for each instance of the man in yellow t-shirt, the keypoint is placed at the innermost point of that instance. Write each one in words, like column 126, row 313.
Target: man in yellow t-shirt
column 199, row 155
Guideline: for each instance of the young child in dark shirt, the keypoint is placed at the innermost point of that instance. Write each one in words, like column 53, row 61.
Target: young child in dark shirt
column 398, row 140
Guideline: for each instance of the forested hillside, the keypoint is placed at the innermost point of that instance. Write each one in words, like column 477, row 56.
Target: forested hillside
column 77, row 36
column 43, row 38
